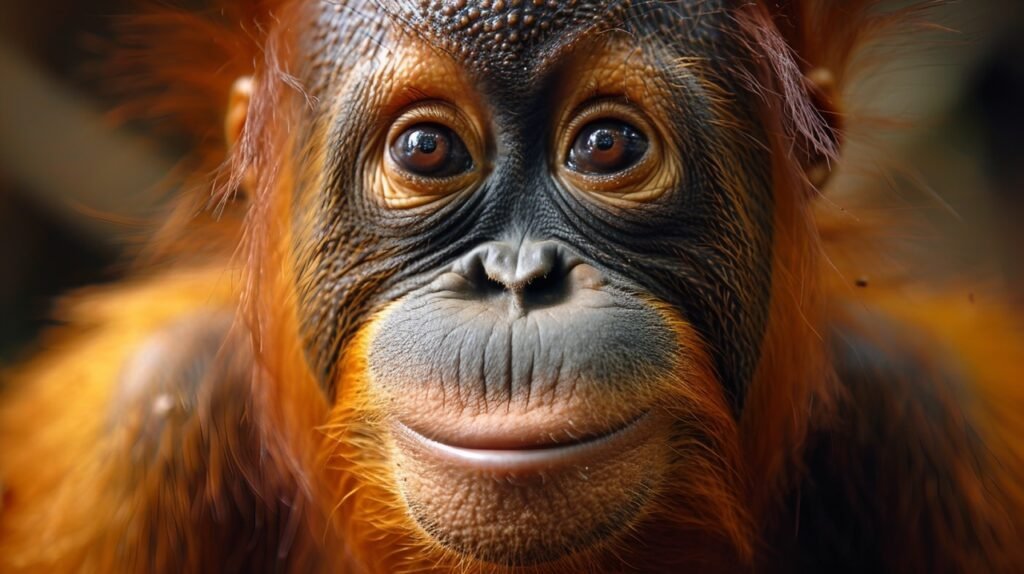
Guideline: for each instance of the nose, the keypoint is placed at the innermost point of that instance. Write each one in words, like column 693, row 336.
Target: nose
column 534, row 274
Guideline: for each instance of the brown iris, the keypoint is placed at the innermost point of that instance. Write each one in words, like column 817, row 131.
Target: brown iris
column 606, row 147
column 431, row 150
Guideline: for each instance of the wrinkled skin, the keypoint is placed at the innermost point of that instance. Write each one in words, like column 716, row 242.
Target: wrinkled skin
column 698, row 254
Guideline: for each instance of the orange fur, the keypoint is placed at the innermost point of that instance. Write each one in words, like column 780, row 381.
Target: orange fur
column 60, row 464
column 47, row 524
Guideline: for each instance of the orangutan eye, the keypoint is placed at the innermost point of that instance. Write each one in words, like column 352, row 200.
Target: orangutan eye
column 605, row 147
column 431, row 150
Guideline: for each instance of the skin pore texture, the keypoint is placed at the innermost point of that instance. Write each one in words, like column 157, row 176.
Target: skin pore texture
column 513, row 286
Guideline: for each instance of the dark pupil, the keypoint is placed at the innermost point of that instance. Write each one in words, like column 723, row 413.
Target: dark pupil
column 431, row 150
column 606, row 147
column 603, row 140
column 423, row 142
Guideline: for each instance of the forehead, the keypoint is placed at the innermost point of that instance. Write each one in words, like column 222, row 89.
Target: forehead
column 515, row 37
column 490, row 33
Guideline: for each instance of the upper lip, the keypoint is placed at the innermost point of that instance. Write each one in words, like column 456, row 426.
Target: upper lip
column 530, row 459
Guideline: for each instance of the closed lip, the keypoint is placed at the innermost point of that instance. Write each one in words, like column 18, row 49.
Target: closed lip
column 532, row 460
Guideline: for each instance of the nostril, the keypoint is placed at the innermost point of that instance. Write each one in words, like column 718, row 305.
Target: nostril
column 546, row 290
column 490, row 286
column 479, row 279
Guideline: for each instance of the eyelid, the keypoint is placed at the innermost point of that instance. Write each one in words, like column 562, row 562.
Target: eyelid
column 646, row 180
column 433, row 112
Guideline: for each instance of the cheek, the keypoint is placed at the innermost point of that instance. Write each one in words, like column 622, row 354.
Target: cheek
column 335, row 283
column 358, row 464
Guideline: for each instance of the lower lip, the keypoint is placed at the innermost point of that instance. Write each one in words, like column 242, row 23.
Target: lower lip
column 532, row 461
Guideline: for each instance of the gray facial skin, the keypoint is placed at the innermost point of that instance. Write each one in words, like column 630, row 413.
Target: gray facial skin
column 695, row 251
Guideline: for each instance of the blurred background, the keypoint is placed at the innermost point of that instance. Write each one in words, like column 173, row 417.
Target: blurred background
column 78, row 191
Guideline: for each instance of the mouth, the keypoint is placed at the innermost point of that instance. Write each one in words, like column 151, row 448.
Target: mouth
column 528, row 459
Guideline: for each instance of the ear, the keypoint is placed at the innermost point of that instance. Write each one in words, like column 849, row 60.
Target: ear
column 238, row 110
column 822, row 36
column 822, row 87
column 235, row 121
